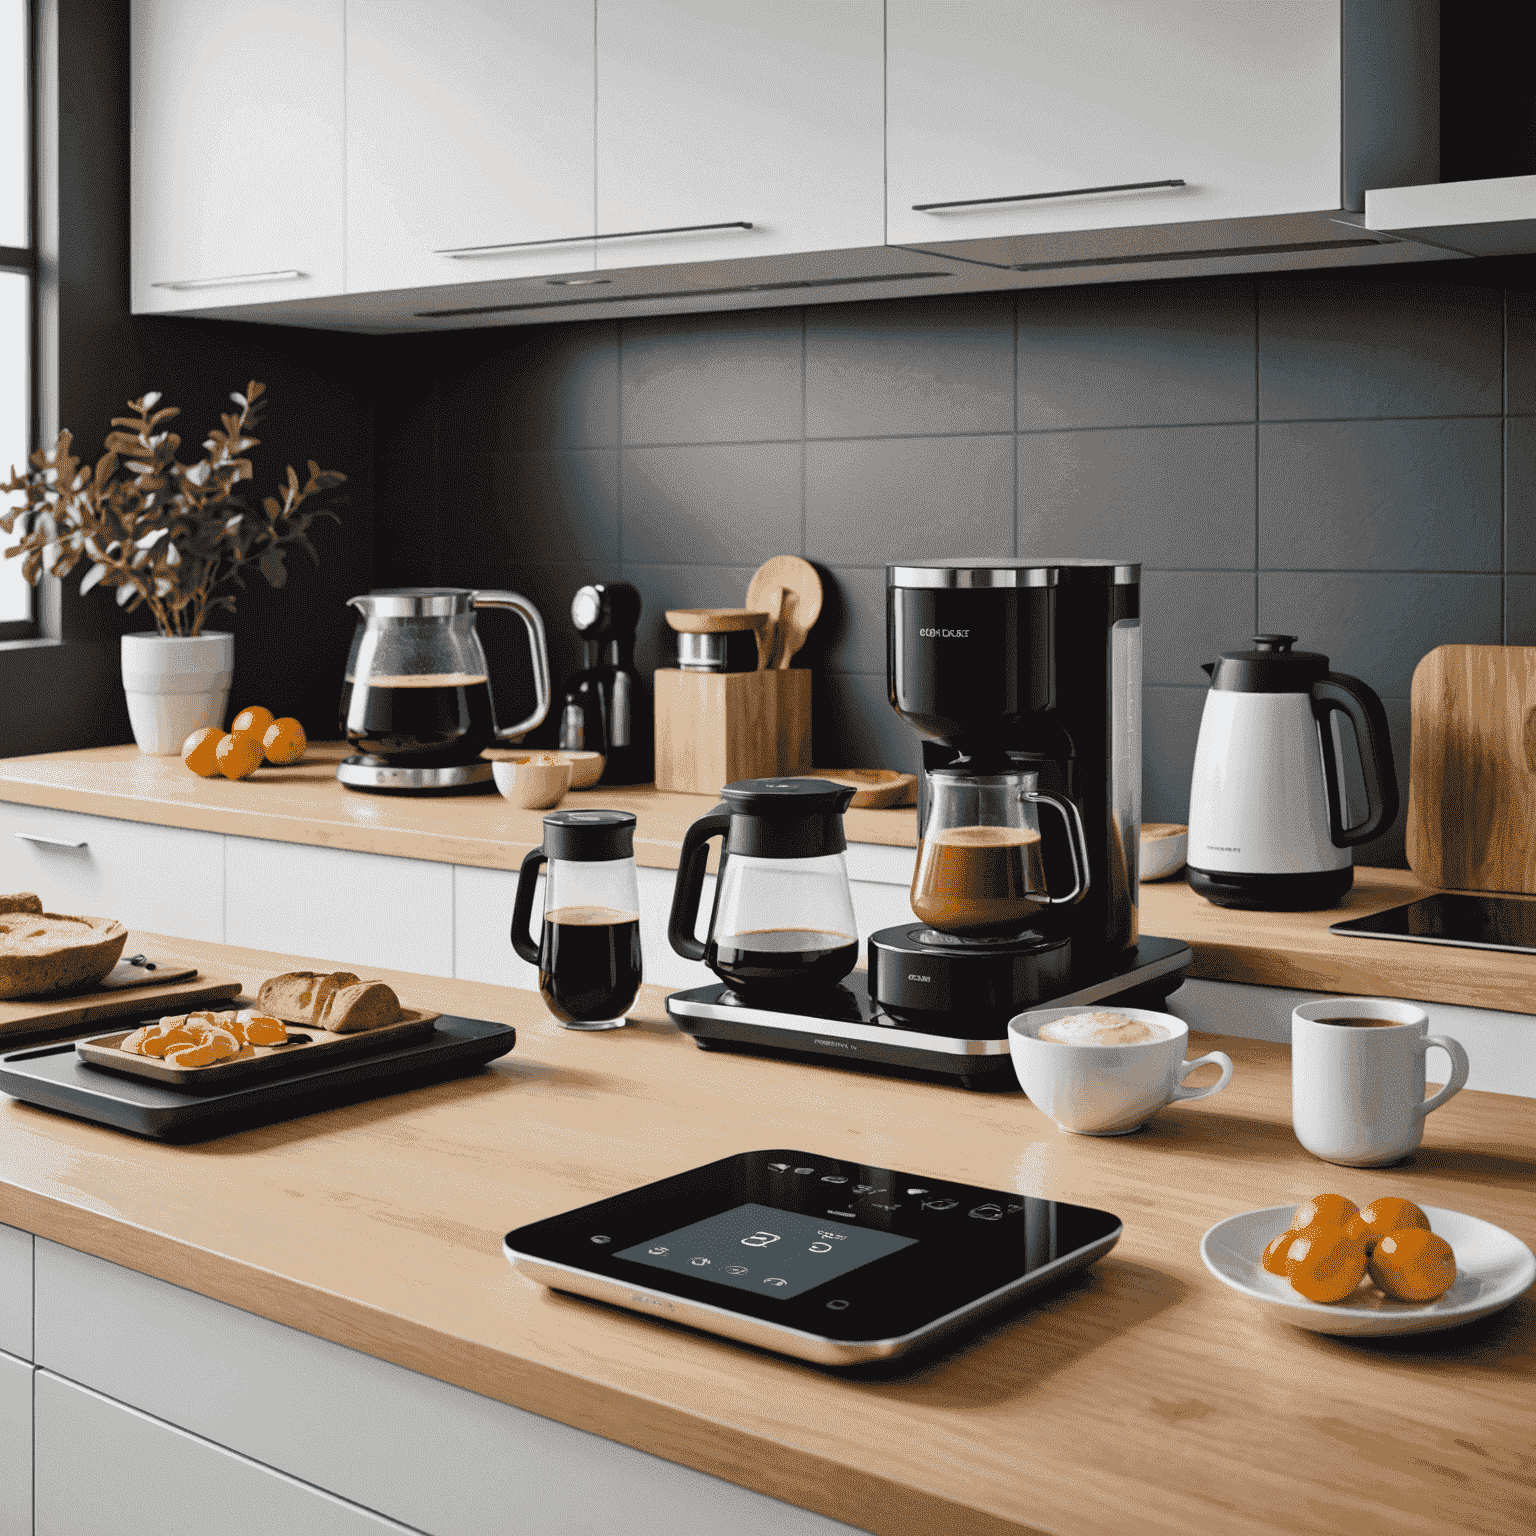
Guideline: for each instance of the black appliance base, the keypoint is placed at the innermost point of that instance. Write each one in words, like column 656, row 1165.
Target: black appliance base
column 1313, row 892
column 844, row 1025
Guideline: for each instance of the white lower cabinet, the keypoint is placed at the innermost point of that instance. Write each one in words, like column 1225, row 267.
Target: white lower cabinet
column 15, row 1447
column 164, row 879
column 16, row 1292
column 351, row 908
column 105, row 1470
column 435, row 1457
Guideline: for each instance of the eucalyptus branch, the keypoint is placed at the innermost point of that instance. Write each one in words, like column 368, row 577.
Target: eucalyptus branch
column 172, row 537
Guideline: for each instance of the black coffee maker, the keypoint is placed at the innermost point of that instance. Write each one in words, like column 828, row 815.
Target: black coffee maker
column 1032, row 668
column 606, row 708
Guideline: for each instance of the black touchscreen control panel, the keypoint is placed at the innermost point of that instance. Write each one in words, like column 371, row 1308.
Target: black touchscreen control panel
column 820, row 1257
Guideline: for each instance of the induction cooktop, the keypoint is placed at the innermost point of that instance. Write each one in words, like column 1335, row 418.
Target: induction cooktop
column 1453, row 918
column 818, row 1257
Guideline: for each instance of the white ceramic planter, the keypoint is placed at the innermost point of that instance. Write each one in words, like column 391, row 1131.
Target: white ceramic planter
column 174, row 686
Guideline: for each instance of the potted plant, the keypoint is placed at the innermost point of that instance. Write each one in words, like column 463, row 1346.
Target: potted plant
column 175, row 538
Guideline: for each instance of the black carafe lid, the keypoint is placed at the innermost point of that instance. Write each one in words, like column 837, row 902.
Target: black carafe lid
column 589, row 837
column 1271, row 667
column 786, row 818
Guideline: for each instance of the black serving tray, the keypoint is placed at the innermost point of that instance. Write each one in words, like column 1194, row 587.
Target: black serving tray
column 55, row 1077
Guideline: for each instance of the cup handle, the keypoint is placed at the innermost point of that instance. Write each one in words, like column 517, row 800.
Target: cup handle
column 1452, row 1048
column 1223, row 1061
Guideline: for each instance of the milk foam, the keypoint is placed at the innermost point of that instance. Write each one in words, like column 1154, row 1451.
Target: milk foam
column 1102, row 1029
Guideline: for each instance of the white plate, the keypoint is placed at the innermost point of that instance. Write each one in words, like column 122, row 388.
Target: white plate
column 1493, row 1268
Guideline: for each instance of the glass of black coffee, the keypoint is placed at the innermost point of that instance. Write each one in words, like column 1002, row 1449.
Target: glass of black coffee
column 588, row 949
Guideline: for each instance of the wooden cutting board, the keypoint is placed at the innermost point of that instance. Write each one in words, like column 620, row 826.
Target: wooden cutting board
column 1472, row 770
column 37, row 1016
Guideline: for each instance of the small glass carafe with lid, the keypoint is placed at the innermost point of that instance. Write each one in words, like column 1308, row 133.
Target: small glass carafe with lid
column 783, row 913
column 980, row 864
column 588, row 951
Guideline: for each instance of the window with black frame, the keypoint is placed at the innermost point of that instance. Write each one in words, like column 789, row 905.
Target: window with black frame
column 18, row 288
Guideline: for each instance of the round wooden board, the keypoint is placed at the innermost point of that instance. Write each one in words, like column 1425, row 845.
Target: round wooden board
column 875, row 789
column 797, row 579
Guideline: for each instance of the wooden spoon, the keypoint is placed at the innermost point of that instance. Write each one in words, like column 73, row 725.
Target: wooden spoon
column 799, row 604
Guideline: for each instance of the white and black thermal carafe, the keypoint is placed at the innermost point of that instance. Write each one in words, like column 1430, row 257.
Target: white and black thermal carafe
column 1267, row 807
column 783, row 913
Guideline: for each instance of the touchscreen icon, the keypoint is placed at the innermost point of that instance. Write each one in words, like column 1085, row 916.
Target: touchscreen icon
column 698, row 1263
column 658, row 1251
column 834, row 1178
column 821, row 1247
column 775, row 1280
column 940, row 1205
column 735, row 1269
column 759, row 1239
column 987, row 1213
column 805, row 1170
column 862, row 1189
column 917, row 1191
column 779, row 1167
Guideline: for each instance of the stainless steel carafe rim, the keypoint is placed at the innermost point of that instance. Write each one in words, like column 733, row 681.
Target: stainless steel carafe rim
column 1005, row 572
column 1022, row 777
column 415, row 602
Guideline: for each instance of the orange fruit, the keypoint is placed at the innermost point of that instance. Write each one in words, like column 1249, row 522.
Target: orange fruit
column 1412, row 1264
column 254, row 720
column 197, row 751
column 1275, row 1254
column 284, row 741
column 1325, row 1263
column 239, row 755
column 1389, row 1214
column 1324, row 1210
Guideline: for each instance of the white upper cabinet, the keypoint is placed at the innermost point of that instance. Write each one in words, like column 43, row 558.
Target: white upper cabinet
column 469, row 140
column 734, row 112
column 236, row 152
column 1039, row 103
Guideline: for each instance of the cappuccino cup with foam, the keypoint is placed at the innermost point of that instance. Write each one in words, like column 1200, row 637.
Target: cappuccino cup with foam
column 1106, row 1071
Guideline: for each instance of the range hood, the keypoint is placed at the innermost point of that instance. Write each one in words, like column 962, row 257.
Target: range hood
column 1496, row 217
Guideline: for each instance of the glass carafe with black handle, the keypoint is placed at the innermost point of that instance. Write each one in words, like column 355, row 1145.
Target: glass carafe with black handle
column 588, row 951
column 783, row 913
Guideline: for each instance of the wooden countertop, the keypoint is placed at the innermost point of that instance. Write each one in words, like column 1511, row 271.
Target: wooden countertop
column 1144, row 1396
column 307, row 804
column 1295, row 949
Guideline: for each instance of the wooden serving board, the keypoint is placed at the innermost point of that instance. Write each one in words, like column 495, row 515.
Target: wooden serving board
column 306, row 1049
column 175, row 992
column 1472, row 770
column 875, row 789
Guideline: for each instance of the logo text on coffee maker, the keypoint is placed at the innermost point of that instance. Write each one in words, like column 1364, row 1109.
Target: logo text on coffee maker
column 944, row 634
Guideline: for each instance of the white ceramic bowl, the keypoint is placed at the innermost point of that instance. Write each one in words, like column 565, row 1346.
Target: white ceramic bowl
column 586, row 767
column 1164, row 846
column 533, row 785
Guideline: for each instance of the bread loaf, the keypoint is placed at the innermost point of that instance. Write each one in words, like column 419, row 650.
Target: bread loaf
column 340, row 1001
column 366, row 1005
column 300, row 996
column 22, row 901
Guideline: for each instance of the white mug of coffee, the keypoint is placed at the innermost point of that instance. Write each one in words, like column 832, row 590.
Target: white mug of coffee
column 1357, row 1078
column 1105, row 1072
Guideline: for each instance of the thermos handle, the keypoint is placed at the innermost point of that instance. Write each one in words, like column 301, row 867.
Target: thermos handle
column 686, row 893
column 1337, row 691
column 1077, row 844
column 522, row 906
column 536, row 648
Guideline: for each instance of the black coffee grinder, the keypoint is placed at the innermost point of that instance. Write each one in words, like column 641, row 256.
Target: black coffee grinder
column 606, row 708
column 1009, row 669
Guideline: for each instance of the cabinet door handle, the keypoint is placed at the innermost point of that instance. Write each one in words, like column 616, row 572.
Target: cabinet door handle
column 49, row 842
column 1035, row 197
column 459, row 251
column 240, row 277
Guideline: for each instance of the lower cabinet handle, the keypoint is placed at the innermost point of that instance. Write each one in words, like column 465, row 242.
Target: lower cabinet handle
column 240, row 277
column 49, row 842
column 1035, row 197
column 621, row 234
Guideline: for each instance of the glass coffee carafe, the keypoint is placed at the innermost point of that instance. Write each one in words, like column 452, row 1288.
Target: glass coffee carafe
column 588, row 952
column 783, row 913
column 980, row 868
column 417, row 690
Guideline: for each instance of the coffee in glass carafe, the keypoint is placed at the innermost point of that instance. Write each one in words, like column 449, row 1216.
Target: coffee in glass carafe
column 980, row 869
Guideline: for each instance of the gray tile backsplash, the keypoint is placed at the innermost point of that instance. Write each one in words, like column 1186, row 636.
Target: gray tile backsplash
column 1328, row 455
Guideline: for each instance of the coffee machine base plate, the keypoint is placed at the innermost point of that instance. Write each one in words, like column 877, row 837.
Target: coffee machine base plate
column 844, row 1024
column 385, row 778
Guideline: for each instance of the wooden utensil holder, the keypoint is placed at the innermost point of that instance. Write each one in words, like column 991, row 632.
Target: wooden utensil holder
column 713, row 728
